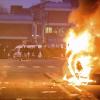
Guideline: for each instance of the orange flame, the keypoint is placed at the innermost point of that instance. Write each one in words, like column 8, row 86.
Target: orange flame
column 79, row 61
column 83, row 44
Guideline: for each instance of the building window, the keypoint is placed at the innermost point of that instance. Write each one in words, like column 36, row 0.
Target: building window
column 48, row 30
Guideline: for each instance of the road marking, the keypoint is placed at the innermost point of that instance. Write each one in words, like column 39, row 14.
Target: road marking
column 18, row 98
column 45, row 92
column 6, row 66
column 51, row 66
column 21, row 67
column 3, row 87
column 3, row 73
column 36, row 67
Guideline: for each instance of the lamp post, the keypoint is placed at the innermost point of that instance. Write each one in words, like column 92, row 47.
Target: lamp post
column 35, row 32
column 34, row 28
column 43, row 21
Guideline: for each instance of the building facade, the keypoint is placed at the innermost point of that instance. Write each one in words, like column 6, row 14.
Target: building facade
column 15, row 28
column 44, row 23
column 51, row 20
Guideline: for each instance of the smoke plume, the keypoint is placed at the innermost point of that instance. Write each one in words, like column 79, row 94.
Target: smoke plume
column 87, row 11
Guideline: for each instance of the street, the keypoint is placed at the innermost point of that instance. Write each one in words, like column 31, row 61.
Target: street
column 36, row 79
column 49, row 49
column 27, row 79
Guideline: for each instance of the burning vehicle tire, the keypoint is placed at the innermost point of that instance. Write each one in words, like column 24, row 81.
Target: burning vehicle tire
column 77, row 70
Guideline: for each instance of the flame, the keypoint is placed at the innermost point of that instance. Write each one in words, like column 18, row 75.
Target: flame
column 83, row 43
column 80, row 61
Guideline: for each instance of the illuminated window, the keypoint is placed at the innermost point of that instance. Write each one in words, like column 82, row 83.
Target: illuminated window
column 48, row 30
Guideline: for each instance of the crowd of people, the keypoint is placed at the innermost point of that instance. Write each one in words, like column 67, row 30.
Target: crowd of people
column 25, row 52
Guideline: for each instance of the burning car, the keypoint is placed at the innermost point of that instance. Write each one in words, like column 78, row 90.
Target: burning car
column 83, row 55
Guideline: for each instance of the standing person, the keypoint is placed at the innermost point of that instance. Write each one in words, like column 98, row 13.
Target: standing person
column 43, row 50
column 1, row 50
column 36, row 51
column 6, row 51
column 26, row 52
column 22, row 50
column 30, row 52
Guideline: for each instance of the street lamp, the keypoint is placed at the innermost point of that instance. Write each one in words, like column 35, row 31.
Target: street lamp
column 34, row 28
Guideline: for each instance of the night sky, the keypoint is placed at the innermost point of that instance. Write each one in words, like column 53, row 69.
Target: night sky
column 25, row 3
column 28, row 3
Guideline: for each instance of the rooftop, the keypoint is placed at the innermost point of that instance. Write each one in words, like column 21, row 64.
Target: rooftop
column 57, row 5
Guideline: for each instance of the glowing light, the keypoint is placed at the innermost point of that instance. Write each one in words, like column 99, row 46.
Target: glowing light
column 79, row 43
column 79, row 62
column 64, row 78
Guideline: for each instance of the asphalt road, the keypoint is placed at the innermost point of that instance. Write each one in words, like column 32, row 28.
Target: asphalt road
column 36, row 79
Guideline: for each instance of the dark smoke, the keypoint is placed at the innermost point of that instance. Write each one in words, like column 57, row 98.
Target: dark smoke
column 87, row 12
column 89, row 6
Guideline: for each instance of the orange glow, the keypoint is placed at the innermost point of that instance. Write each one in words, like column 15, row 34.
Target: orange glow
column 83, row 45
column 80, row 61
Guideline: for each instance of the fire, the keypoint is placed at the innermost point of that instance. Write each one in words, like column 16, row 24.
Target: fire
column 83, row 43
column 80, row 60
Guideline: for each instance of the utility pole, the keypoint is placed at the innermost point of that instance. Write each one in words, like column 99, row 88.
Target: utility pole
column 43, row 23
column 35, row 32
column 34, row 28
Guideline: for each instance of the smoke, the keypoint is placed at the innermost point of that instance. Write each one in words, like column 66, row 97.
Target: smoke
column 88, row 6
column 87, row 17
column 87, row 10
